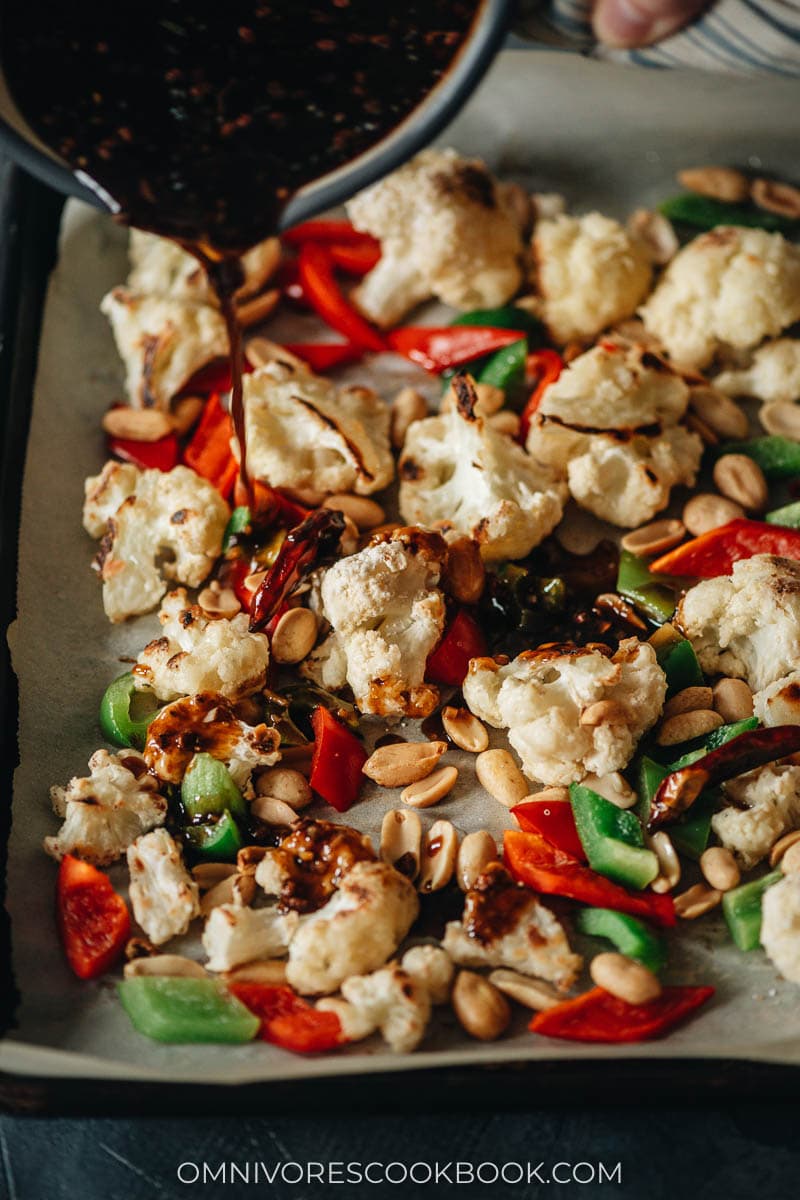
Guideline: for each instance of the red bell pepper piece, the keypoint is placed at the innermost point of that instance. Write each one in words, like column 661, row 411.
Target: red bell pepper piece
column 543, row 366
column 552, row 820
column 438, row 348
column 715, row 552
column 289, row 1021
column 337, row 761
column 462, row 640
column 533, row 861
column 288, row 280
column 324, row 356
column 162, row 455
column 341, row 232
column 316, row 539
column 356, row 259
column 92, row 919
column 597, row 1016
column 216, row 377
column 315, row 268
column 269, row 505
column 209, row 451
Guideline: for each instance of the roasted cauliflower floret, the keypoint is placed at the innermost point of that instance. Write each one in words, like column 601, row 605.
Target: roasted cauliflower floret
column 779, row 702
column 162, row 342
column 159, row 266
column 207, row 723
column 305, row 432
column 359, row 928
column 306, row 867
column 107, row 810
column 432, row 967
column 234, row 935
column 197, row 653
column 761, row 807
column 393, row 1002
column 780, row 926
column 174, row 511
column 730, row 287
column 446, row 229
column 504, row 925
column 457, row 468
column 590, row 273
column 772, row 375
column 387, row 615
column 543, row 698
column 611, row 425
column 164, row 896
column 746, row 624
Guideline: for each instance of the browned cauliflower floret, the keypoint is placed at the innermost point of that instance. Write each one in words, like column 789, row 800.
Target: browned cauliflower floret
column 164, row 896
column 446, row 230
column 207, row 723
column 159, row 266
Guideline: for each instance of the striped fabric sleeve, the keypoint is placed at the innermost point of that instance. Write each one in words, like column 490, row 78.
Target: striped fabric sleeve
column 751, row 37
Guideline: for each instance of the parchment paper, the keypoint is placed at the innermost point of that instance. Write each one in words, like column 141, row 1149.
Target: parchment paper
column 607, row 137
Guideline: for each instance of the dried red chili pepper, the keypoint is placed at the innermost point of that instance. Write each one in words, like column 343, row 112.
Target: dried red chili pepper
column 306, row 546
column 679, row 790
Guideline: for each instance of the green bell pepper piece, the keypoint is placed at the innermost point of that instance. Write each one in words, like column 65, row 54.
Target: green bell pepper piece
column 630, row 935
column 726, row 733
column 208, row 789
column 690, row 832
column 178, row 1009
column 742, row 910
column 612, row 838
column 648, row 592
column 681, row 667
column 126, row 712
column 219, row 841
column 509, row 316
column 705, row 213
column 237, row 523
column 506, row 369
column 788, row 516
column 777, row 456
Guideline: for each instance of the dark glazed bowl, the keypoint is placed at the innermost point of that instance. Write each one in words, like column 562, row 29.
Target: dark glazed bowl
column 420, row 127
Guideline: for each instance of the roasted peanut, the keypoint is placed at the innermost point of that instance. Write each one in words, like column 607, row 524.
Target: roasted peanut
column 625, row 978
column 604, row 712
column 686, row 725
column 208, row 874
column 294, row 636
column 782, row 419
column 476, row 851
column 720, row 183
column 776, row 197
column 363, row 512
column 688, row 700
column 438, row 857
column 185, row 413
column 285, row 784
column 401, row 841
column 533, row 993
column 174, row 965
column 402, row 763
column 669, row 867
column 464, row 574
column 655, row 538
column 733, row 700
column 741, row 480
column 464, row 729
column 408, row 406
column 501, row 777
column 696, row 901
column 217, row 601
column 790, row 863
column 782, row 845
column 268, row 971
column 482, row 1010
column 257, row 308
column 429, row 791
column 720, row 868
column 613, row 787
column 140, row 424
column 260, row 351
column 707, row 511
column 718, row 411
column 273, row 811
column 236, row 889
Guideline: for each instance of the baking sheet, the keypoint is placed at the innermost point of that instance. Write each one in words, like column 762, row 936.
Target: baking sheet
column 607, row 137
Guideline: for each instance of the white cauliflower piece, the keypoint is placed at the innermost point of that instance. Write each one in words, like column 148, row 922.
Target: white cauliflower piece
column 504, row 925
column 164, row 897
column 540, row 696
column 198, row 653
column 174, row 511
column 394, row 1002
column 207, row 723
column 772, row 375
column 162, row 342
column 779, row 703
column 457, row 468
column 611, row 424
column 432, row 967
column 746, row 624
column 446, row 229
column 763, row 805
column 305, row 432
column 780, row 926
column 234, row 935
column 590, row 273
column 161, row 267
column 107, row 810
column 358, row 929
column 730, row 287
column 387, row 615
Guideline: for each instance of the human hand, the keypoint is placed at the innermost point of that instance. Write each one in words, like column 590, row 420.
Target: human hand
column 629, row 23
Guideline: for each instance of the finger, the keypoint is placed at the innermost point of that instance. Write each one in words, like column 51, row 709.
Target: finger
column 628, row 23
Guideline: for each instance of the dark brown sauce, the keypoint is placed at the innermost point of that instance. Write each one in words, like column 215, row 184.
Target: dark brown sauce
column 494, row 904
column 200, row 121
column 315, row 857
